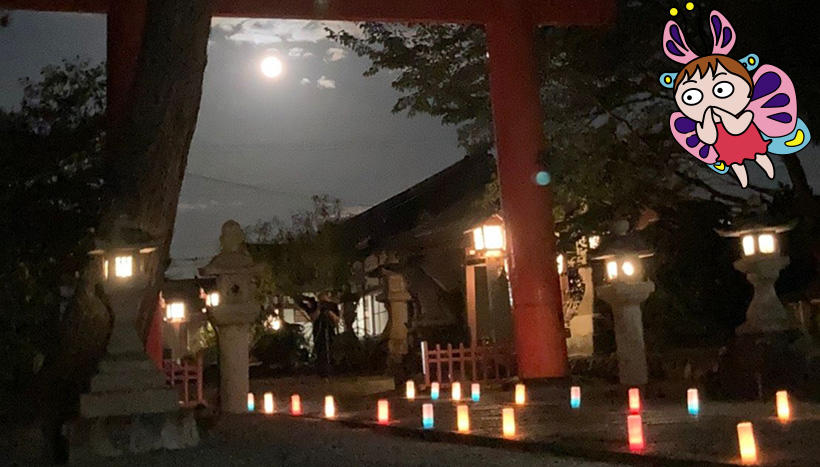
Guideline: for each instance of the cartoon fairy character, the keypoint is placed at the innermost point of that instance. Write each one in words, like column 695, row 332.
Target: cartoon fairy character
column 726, row 115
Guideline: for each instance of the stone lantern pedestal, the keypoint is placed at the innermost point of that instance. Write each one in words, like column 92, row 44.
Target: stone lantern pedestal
column 397, row 298
column 235, row 272
column 625, row 299
column 766, row 313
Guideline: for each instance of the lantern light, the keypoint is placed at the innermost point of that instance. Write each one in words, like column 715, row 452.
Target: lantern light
column 692, row 402
column 488, row 239
column 251, row 402
column 748, row 245
column 634, row 400
column 611, row 270
column 268, row 403
column 175, row 312
column 475, row 392
column 559, row 260
column 508, row 422
column 212, row 299
column 123, row 266
column 434, row 390
column 628, row 268
column 330, row 407
column 383, row 412
column 520, row 394
column 463, row 418
column 746, row 440
column 783, row 406
column 410, row 389
column 594, row 242
column 295, row 405
column 765, row 243
column 634, row 427
column 427, row 416
column 456, row 391
column 575, row 397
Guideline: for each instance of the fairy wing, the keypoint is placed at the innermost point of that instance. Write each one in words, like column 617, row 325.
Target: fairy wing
column 796, row 140
column 683, row 129
column 773, row 103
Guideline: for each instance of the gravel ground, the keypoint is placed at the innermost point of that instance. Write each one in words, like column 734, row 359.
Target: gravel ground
column 285, row 441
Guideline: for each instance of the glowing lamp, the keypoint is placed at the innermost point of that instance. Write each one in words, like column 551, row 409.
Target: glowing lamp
column 383, row 412
column 463, row 418
column 251, row 402
column 783, row 408
column 427, row 416
column 559, row 261
column 611, row 270
column 123, row 266
column 508, row 422
column 455, row 393
column 692, row 402
column 330, row 407
column 634, row 400
column 295, row 405
column 758, row 238
column 634, row 427
column 746, row 440
column 488, row 239
column 410, row 389
column 212, row 299
column 175, row 312
column 575, row 397
column 520, row 394
column 434, row 391
column 475, row 392
column 268, row 403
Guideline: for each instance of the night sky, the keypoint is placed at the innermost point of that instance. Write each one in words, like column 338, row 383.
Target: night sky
column 263, row 146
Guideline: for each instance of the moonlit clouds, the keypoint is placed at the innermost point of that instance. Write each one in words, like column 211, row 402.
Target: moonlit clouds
column 304, row 81
column 325, row 83
column 273, row 31
column 334, row 54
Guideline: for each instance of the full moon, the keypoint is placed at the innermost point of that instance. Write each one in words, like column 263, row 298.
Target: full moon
column 271, row 67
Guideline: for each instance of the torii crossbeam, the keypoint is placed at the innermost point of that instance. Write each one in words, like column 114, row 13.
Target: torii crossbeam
column 510, row 24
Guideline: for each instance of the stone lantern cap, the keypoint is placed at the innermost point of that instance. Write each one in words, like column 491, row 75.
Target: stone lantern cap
column 623, row 244
column 125, row 235
column 758, row 225
column 233, row 256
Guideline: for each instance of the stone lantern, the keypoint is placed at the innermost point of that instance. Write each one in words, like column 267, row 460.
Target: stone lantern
column 128, row 398
column 761, row 262
column 232, row 308
column 625, row 288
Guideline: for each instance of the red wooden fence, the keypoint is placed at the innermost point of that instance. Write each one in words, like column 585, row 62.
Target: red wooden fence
column 482, row 363
column 185, row 375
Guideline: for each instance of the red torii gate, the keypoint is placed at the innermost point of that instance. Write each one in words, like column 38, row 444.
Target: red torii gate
column 514, row 89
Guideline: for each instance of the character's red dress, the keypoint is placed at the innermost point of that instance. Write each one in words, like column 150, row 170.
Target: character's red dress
column 734, row 149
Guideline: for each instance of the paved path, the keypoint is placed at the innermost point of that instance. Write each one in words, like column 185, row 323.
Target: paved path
column 283, row 441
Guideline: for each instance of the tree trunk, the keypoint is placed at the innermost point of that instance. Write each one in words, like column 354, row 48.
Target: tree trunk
column 805, row 197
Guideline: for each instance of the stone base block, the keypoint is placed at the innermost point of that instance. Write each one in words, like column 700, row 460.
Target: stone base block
column 92, row 440
column 129, row 402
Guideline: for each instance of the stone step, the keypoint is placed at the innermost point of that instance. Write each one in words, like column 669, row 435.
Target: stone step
column 126, row 363
column 113, row 403
column 128, row 380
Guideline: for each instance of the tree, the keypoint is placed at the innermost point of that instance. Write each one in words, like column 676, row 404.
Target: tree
column 53, row 179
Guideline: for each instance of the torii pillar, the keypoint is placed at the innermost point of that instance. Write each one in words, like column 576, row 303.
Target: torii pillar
column 514, row 89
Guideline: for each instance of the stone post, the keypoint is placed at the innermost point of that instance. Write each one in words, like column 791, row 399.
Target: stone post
column 235, row 271
column 625, row 299
column 581, row 342
column 397, row 298
column 766, row 313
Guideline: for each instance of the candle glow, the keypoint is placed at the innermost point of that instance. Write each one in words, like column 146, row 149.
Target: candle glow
column 456, row 391
column 463, row 418
column 575, row 397
column 330, row 407
column 251, row 402
column 434, row 390
column 427, row 416
column 383, row 412
column 520, row 394
column 783, row 408
column 295, row 405
column 410, row 389
column 475, row 392
column 746, row 440
column 692, row 402
column 508, row 422
column 634, row 400
column 268, row 403
column 634, row 426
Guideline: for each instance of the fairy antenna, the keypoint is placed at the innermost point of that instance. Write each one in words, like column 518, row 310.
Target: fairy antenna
column 722, row 32
column 674, row 45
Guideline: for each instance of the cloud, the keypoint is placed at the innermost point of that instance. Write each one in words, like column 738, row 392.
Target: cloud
column 272, row 31
column 304, row 82
column 325, row 83
column 335, row 54
column 299, row 52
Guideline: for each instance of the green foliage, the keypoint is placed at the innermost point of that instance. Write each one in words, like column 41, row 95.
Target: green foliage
column 284, row 349
column 52, row 179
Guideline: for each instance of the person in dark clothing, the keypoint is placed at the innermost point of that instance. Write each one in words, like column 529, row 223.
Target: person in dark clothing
column 325, row 318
